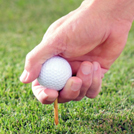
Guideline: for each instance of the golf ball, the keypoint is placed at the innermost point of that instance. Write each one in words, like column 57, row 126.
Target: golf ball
column 54, row 73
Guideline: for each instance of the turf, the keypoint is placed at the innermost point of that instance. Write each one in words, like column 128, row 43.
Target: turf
column 22, row 25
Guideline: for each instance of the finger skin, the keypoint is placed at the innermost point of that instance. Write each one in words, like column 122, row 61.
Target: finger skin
column 71, row 90
column 85, row 73
column 44, row 95
column 95, row 87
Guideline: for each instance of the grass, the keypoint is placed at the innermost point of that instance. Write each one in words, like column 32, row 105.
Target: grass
column 22, row 25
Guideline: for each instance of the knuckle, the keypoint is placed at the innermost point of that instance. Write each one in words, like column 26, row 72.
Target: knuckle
column 29, row 61
column 68, row 97
column 29, row 57
column 41, row 101
column 61, row 45
column 87, row 63
column 78, row 99
column 44, row 101
column 93, row 95
column 96, row 81
column 86, row 85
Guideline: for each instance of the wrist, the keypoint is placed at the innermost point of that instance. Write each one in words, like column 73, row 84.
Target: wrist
column 124, row 9
column 118, row 9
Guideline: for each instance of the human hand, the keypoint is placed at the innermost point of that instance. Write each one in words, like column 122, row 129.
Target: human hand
column 90, row 39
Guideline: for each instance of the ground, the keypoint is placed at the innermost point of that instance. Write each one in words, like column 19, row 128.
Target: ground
column 22, row 25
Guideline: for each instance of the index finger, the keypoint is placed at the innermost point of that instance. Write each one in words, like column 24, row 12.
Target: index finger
column 48, row 48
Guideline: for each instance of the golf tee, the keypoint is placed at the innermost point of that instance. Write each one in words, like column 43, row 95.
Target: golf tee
column 56, row 111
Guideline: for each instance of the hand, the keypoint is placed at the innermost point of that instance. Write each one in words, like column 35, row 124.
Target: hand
column 91, row 39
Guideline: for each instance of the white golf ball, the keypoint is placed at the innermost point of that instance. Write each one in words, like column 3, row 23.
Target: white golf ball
column 54, row 73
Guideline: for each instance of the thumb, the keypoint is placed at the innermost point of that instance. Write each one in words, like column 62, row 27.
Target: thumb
column 34, row 59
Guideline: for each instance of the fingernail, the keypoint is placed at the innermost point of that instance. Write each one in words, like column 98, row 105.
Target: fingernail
column 24, row 75
column 95, row 66
column 86, row 69
column 75, row 87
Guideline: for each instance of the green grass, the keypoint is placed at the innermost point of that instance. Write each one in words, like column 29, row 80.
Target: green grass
column 22, row 25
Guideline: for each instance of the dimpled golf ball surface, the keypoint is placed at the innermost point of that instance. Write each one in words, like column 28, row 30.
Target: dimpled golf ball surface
column 54, row 73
